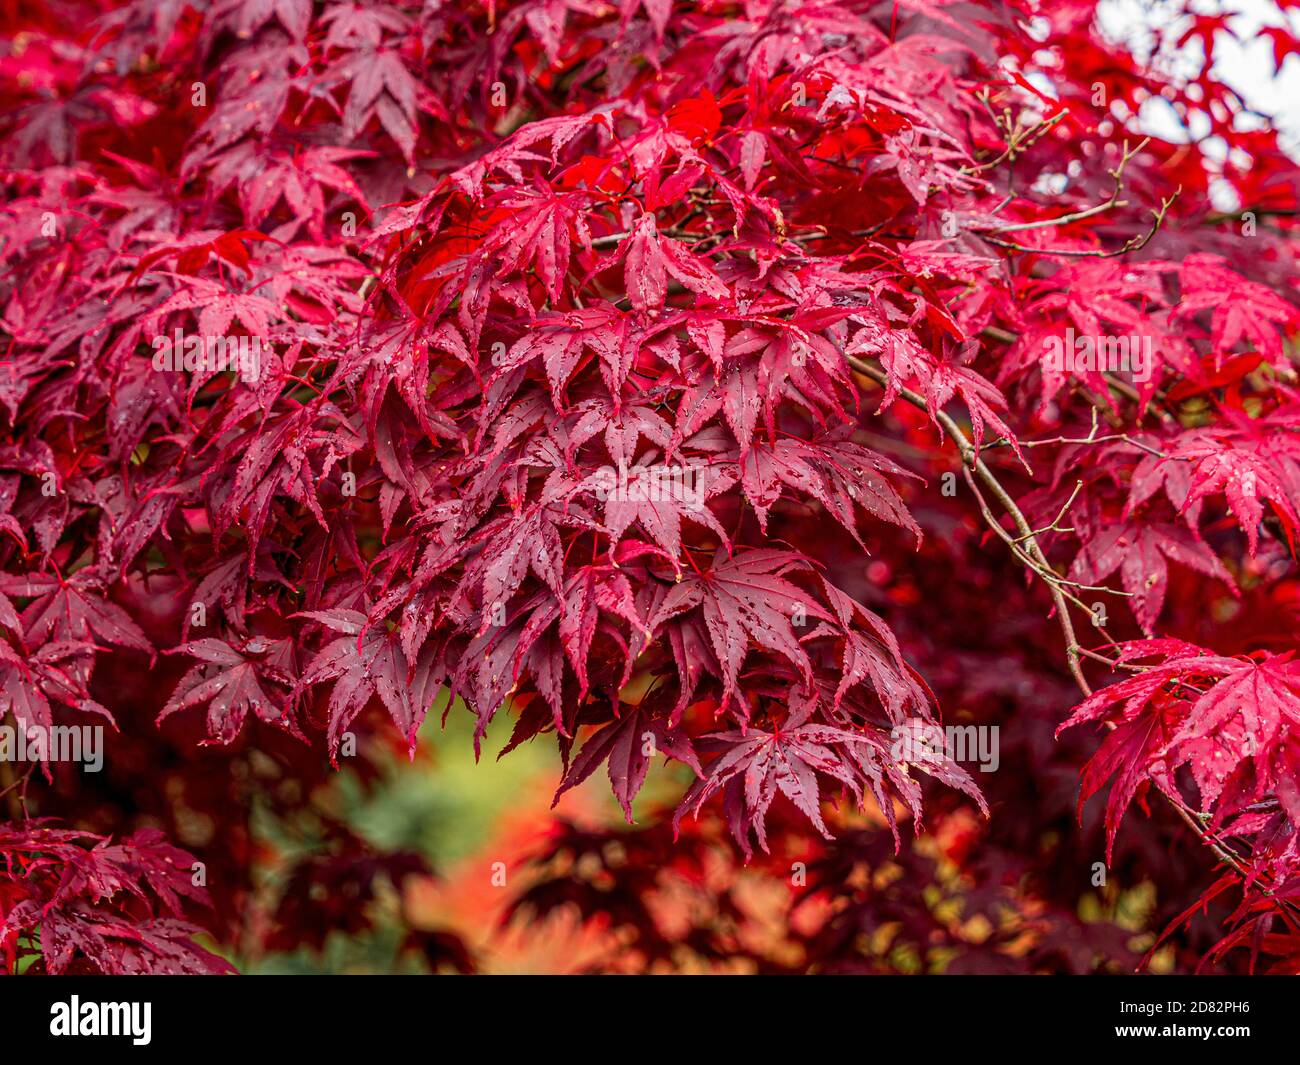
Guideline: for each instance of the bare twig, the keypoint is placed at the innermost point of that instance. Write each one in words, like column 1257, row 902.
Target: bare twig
column 1031, row 554
column 1117, row 174
column 1132, row 244
column 1019, row 138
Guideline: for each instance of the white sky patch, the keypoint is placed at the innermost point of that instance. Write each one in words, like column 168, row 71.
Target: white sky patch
column 1244, row 63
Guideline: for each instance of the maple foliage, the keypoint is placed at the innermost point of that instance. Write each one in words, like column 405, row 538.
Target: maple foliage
column 114, row 907
column 672, row 379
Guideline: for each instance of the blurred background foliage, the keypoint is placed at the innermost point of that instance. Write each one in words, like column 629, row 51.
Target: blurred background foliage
column 459, row 819
column 437, row 864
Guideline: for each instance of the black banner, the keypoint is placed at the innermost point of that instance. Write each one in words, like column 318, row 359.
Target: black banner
column 1048, row 1016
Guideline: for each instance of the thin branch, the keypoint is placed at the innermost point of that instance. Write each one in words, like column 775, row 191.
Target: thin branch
column 1018, row 139
column 1031, row 553
column 1132, row 244
column 1116, row 173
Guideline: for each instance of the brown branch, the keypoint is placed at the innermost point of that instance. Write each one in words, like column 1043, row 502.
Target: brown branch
column 1018, row 139
column 1117, row 174
column 1031, row 554
column 1132, row 244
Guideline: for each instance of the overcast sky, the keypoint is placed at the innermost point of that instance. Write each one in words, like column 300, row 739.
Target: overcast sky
column 1246, row 63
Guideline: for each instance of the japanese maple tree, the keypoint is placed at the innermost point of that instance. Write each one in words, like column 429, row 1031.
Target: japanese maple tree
column 739, row 384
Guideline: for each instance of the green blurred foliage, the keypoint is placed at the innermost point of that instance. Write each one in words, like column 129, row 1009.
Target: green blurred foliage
column 443, row 806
